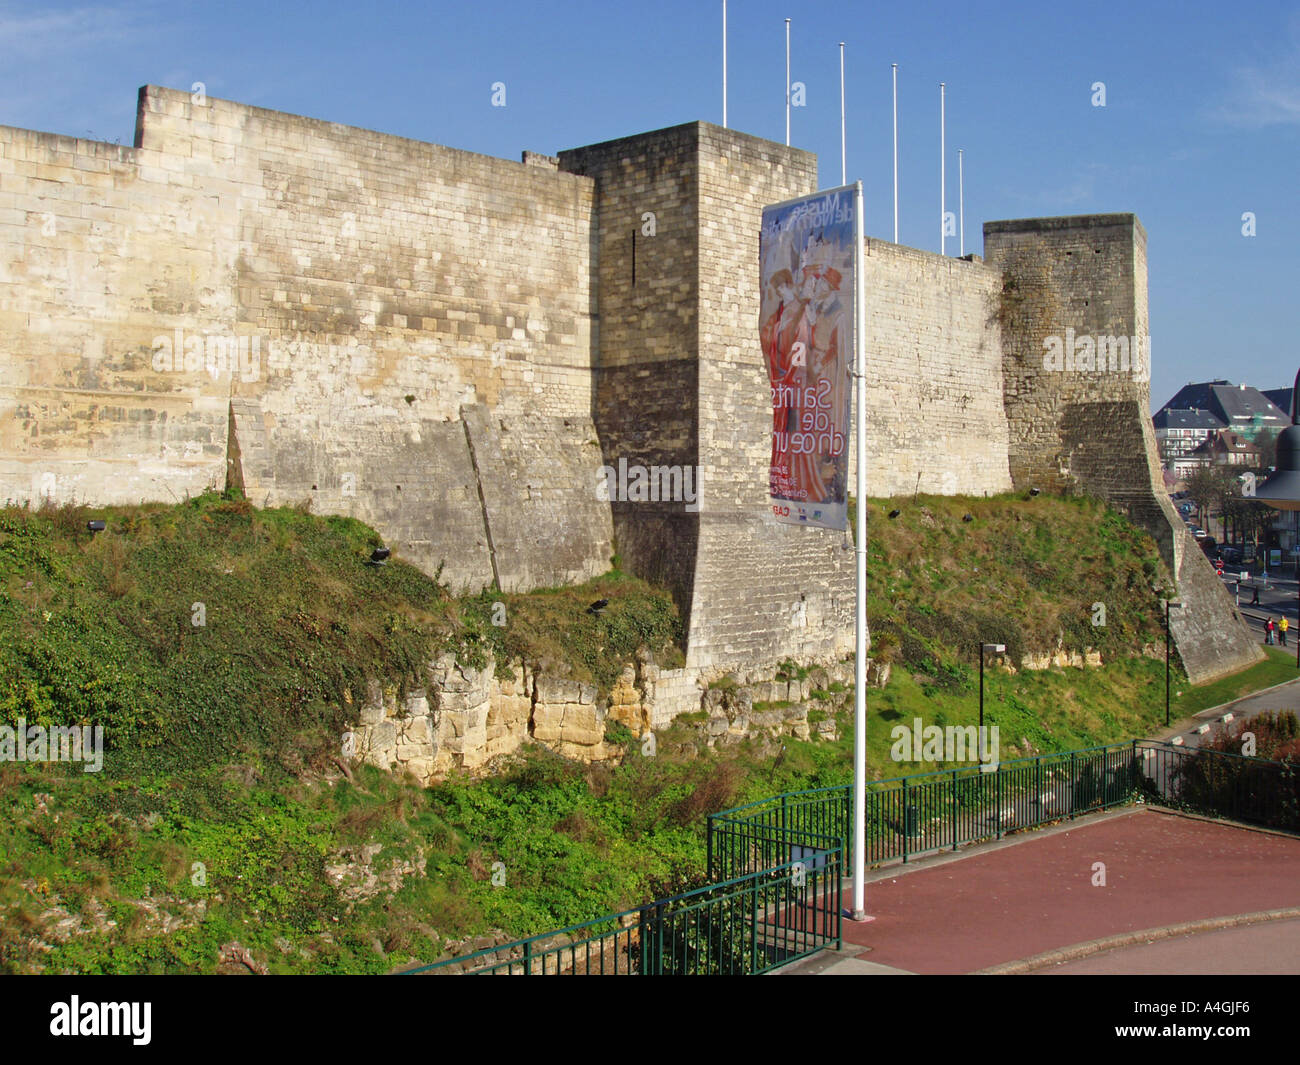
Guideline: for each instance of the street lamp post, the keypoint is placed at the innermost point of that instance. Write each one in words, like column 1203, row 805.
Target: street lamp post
column 993, row 649
column 1170, row 604
column 1282, row 490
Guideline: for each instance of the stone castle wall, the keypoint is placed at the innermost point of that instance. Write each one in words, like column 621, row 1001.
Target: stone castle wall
column 99, row 248
column 763, row 591
column 450, row 346
column 936, row 417
column 1091, row 428
column 372, row 289
column 646, row 384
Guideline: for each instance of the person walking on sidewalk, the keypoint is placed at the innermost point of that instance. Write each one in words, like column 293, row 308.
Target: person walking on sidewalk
column 1282, row 626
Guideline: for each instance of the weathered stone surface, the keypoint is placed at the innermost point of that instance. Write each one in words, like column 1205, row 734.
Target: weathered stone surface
column 878, row 673
column 583, row 725
column 393, row 330
column 383, row 735
column 415, row 704
column 548, row 719
column 562, row 690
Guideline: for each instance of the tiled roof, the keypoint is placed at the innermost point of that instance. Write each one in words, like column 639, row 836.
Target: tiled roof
column 1186, row 419
column 1230, row 404
column 1245, row 404
column 1279, row 397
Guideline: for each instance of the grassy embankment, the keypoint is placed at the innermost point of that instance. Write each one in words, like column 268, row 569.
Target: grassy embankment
column 219, row 803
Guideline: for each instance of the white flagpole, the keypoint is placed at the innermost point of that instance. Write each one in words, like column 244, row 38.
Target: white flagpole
column 860, row 546
column 844, row 180
column 895, row 66
column 724, row 64
column 943, row 178
column 787, row 83
column 961, row 202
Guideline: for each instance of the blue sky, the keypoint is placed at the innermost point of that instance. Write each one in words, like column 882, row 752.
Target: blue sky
column 1201, row 123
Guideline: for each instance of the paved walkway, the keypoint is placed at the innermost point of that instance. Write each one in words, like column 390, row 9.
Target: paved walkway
column 1267, row 949
column 1033, row 893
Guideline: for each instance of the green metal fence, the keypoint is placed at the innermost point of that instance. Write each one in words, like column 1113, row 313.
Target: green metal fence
column 1256, row 791
column 924, row 812
column 777, row 863
column 743, row 926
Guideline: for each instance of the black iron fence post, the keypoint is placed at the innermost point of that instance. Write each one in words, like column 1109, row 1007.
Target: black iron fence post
column 954, row 809
column 997, row 801
column 753, row 926
column 1074, row 786
column 1038, row 787
column 905, row 821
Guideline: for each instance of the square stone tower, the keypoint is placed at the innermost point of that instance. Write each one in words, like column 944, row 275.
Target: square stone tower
column 1076, row 385
column 680, row 381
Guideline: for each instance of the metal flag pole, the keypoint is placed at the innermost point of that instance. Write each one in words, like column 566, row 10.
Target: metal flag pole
column 724, row 64
column 860, row 546
column 787, row 83
column 844, row 180
column 895, row 66
column 961, row 202
column 943, row 178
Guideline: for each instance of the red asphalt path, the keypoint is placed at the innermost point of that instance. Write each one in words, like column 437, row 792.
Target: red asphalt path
column 1006, row 903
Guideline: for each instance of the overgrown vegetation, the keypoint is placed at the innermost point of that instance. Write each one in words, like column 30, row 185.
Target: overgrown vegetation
column 222, row 818
column 1033, row 573
column 1246, row 771
column 186, row 630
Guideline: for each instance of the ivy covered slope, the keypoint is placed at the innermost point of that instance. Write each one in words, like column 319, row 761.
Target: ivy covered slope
column 222, row 833
column 191, row 631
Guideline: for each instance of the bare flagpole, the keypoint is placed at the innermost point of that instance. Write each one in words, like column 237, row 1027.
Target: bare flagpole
column 787, row 83
column 844, row 179
column 859, row 912
column 724, row 64
column 961, row 202
column 895, row 66
column 943, row 178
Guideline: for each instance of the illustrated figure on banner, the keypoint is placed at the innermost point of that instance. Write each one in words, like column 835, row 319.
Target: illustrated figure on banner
column 804, row 341
column 785, row 341
column 805, row 331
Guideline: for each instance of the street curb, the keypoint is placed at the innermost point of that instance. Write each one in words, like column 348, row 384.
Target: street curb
column 896, row 867
column 1129, row 939
column 1173, row 811
column 1211, row 711
column 1243, row 698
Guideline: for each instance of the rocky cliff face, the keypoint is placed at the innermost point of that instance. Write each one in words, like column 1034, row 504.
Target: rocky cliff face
column 464, row 717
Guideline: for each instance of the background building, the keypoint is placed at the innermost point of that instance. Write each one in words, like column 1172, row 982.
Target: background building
column 1179, row 433
column 1240, row 408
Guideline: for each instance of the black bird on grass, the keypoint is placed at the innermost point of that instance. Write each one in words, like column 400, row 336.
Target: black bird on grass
column 598, row 606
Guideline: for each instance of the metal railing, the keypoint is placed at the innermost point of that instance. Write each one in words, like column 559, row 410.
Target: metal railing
column 1255, row 791
column 925, row 812
column 777, row 863
column 743, row 926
